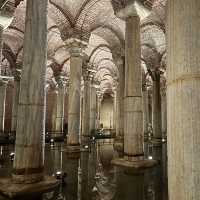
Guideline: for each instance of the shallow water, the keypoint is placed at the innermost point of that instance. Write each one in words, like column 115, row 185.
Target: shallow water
column 92, row 177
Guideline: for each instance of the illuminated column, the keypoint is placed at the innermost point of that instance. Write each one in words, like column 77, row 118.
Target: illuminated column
column 93, row 105
column 183, row 97
column 133, row 111
column 76, row 60
column 3, row 86
column 86, row 107
column 58, row 115
column 17, row 77
column 29, row 147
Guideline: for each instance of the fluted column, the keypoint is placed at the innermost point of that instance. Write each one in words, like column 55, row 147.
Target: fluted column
column 75, row 48
column 17, row 77
column 93, row 109
column 86, row 107
column 183, row 97
column 29, row 147
column 156, row 106
column 3, row 86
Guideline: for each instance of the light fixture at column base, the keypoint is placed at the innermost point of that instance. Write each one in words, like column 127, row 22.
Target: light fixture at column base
column 135, row 165
column 32, row 191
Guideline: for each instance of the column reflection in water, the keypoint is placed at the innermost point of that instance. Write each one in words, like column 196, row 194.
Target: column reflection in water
column 129, row 186
column 70, row 167
column 84, row 162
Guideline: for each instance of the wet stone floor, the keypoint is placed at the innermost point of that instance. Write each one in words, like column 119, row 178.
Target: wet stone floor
column 92, row 177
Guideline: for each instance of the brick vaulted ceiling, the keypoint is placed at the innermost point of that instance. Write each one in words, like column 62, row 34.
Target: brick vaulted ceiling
column 92, row 21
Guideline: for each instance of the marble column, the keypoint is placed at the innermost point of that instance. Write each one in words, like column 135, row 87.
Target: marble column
column 3, row 86
column 133, row 112
column 75, row 48
column 86, row 107
column 146, row 120
column 164, row 112
column 115, row 108
column 99, row 100
column 183, row 97
column 93, row 105
column 29, row 148
column 121, row 93
column 133, row 134
column 156, row 106
column 17, row 77
column 58, row 115
column 1, row 44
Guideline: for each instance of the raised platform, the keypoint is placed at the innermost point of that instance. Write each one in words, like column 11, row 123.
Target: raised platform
column 134, row 165
column 11, row 190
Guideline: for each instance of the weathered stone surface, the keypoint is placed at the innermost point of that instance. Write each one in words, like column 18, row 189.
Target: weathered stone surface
column 86, row 106
column 156, row 106
column 133, row 119
column 74, row 100
column 3, row 86
column 12, row 190
column 92, row 107
column 29, row 148
column 183, row 97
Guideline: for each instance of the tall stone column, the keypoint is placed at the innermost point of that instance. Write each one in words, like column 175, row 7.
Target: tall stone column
column 3, row 86
column 86, row 107
column 133, row 136
column 133, row 112
column 58, row 115
column 156, row 106
column 75, row 48
column 164, row 112
column 93, row 105
column 115, row 108
column 119, row 140
column 183, row 97
column 17, row 77
column 1, row 44
column 99, row 100
column 29, row 148
column 145, row 98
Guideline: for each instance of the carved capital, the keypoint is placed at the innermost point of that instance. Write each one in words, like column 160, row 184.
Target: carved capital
column 17, row 74
column 75, row 47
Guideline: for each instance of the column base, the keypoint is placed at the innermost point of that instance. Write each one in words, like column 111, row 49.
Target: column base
column 33, row 191
column 73, row 151
column 134, row 165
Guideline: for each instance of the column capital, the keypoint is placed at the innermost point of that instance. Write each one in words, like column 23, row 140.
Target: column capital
column 61, row 81
column 17, row 74
column 3, row 81
column 75, row 47
column 129, row 8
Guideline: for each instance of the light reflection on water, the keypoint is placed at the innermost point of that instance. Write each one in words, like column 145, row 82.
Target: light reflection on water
column 92, row 177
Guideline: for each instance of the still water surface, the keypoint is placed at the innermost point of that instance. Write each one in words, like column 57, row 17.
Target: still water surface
column 92, row 177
